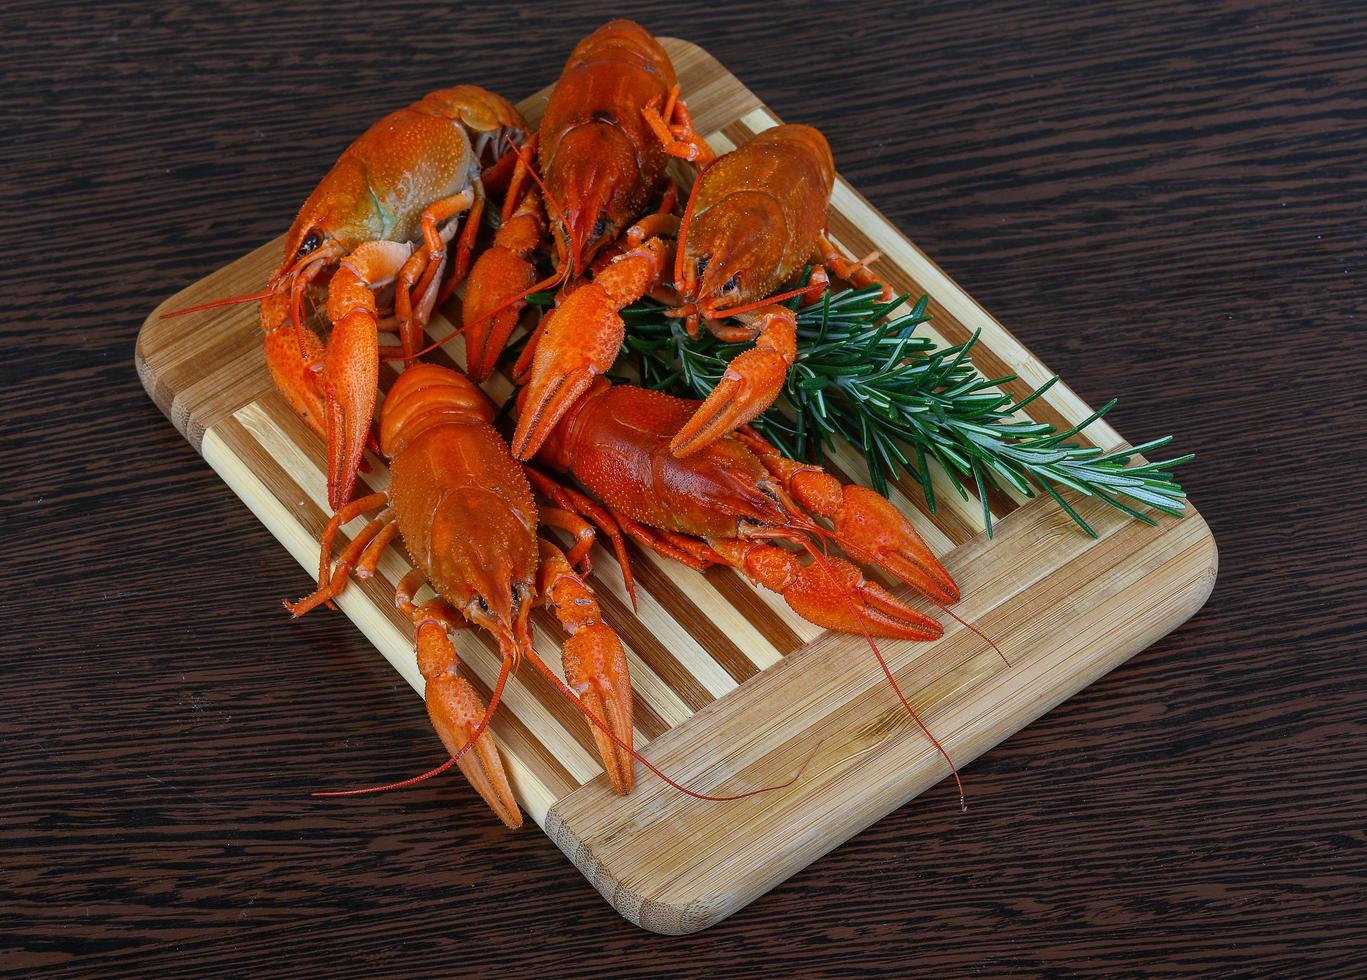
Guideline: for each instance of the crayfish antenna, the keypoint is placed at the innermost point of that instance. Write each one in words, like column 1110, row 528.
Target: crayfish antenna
column 214, row 304
column 768, row 300
column 887, row 671
column 965, row 623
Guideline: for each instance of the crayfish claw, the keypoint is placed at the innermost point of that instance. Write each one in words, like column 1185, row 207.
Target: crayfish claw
column 292, row 354
column 834, row 594
column 455, row 709
column 873, row 531
column 596, row 668
column 549, row 396
column 750, row 385
column 495, row 289
column 350, row 407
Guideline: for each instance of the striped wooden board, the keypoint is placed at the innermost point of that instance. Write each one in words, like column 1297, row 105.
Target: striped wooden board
column 733, row 691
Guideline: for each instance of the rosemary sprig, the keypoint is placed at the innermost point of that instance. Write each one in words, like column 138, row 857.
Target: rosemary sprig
column 905, row 404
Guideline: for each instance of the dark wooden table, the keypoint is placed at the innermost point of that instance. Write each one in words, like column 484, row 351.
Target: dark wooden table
column 1183, row 185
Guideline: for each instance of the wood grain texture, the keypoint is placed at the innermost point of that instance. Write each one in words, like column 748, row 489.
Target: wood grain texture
column 1065, row 608
column 1162, row 200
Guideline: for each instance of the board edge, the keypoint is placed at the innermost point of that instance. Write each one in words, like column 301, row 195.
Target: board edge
column 708, row 907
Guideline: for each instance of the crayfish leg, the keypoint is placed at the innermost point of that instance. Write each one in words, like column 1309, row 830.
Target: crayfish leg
column 457, row 712
column 672, row 125
column 420, row 273
column 855, row 273
column 752, row 381
column 595, row 663
column 332, row 585
column 570, row 499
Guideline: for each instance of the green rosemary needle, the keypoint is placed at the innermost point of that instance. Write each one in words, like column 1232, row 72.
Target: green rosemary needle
column 906, row 404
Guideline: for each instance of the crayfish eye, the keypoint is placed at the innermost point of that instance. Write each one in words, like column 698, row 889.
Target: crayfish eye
column 483, row 606
column 310, row 244
column 599, row 227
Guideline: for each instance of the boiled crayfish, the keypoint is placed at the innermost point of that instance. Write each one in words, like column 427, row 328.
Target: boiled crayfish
column 755, row 219
column 732, row 501
column 384, row 214
column 600, row 163
column 467, row 518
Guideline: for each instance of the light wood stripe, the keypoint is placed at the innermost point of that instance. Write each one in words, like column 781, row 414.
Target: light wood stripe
column 732, row 640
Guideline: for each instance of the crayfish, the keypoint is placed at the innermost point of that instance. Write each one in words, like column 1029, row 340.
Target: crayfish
column 384, row 214
column 600, row 162
column 467, row 518
column 729, row 503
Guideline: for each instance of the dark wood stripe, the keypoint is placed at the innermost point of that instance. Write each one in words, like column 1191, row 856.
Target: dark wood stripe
column 737, row 132
column 738, row 591
column 701, row 627
column 997, row 500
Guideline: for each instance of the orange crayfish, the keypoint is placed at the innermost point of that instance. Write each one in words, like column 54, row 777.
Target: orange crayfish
column 755, row 218
column 600, row 161
column 467, row 518
column 728, row 503
column 384, row 214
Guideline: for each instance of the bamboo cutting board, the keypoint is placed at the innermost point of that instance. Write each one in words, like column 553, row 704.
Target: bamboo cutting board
column 733, row 691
